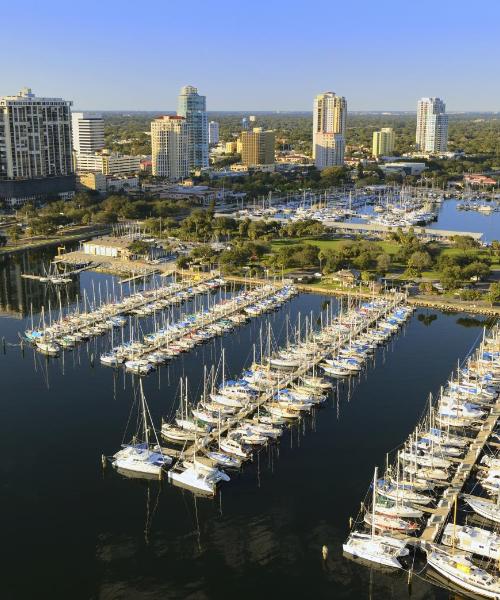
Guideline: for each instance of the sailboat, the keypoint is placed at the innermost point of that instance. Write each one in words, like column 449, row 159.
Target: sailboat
column 459, row 568
column 139, row 459
column 376, row 548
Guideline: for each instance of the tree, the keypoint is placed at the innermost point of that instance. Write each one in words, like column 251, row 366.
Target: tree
column 476, row 270
column 332, row 176
column 383, row 263
column 419, row 261
column 139, row 247
column 182, row 262
column 451, row 277
column 494, row 293
column 465, row 242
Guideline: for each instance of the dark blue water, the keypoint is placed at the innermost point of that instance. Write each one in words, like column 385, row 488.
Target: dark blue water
column 70, row 530
column 461, row 220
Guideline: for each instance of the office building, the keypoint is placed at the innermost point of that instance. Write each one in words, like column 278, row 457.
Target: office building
column 329, row 122
column 383, row 142
column 432, row 126
column 170, row 147
column 193, row 108
column 88, row 132
column 257, row 147
column 213, row 133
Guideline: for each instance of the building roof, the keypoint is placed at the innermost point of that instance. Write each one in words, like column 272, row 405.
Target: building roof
column 110, row 242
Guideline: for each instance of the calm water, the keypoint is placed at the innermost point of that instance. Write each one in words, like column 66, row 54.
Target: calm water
column 461, row 220
column 71, row 530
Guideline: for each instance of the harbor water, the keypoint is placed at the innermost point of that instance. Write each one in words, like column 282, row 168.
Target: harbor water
column 73, row 530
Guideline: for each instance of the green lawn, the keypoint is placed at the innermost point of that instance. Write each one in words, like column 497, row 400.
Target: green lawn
column 389, row 247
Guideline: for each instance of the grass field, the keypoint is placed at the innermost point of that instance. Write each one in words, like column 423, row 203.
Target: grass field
column 389, row 247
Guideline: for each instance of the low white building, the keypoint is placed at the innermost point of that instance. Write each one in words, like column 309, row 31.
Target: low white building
column 403, row 168
column 108, row 163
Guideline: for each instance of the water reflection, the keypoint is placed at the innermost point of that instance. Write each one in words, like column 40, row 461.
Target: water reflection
column 18, row 296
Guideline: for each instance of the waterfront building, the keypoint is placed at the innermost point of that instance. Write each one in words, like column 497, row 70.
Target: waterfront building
column 432, row 126
column 257, row 147
column 88, row 132
column 329, row 123
column 213, row 133
column 35, row 146
column 383, row 142
column 193, row 108
column 170, row 147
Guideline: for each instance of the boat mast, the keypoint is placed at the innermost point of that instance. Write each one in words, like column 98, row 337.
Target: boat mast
column 375, row 473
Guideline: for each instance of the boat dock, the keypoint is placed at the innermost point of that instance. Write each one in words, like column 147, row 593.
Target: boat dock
column 445, row 505
column 207, row 320
column 75, row 322
column 290, row 377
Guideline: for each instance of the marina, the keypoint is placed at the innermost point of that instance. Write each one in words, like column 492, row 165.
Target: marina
column 431, row 470
column 100, row 401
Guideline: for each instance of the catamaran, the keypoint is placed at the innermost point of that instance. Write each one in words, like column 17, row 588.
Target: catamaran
column 138, row 458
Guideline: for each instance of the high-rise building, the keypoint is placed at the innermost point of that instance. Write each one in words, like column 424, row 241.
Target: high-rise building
column 329, row 122
column 193, row 108
column 383, row 142
column 170, row 147
column 432, row 125
column 35, row 147
column 330, row 148
column 213, row 133
column 35, row 136
column 257, row 147
column 88, row 132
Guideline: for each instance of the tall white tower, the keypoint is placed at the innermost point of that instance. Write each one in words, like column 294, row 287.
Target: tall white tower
column 88, row 132
column 193, row 108
column 170, row 147
column 329, row 123
column 432, row 125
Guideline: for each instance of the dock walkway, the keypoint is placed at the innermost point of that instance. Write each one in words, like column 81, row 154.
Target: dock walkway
column 437, row 521
column 288, row 378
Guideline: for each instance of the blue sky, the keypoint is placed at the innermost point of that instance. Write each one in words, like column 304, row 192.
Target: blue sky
column 254, row 55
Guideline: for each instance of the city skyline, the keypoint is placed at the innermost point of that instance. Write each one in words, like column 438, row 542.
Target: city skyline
column 142, row 68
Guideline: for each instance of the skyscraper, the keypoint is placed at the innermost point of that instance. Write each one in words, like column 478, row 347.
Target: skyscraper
column 170, row 147
column 88, row 132
column 193, row 108
column 257, row 147
column 35, row 136
column 329, row 122
column 213, row 133
column 432, row 125
column 383, row 142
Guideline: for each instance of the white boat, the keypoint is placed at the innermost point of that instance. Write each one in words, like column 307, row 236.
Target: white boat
column 398, row 510
column 472, row 539
column 233, row 448
column 376, row 548
column 139, row 459
column 47, row 347
column 459, row 568
column 224, row 460
column 382, row 521
column 484, row 508
column 197, row 477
